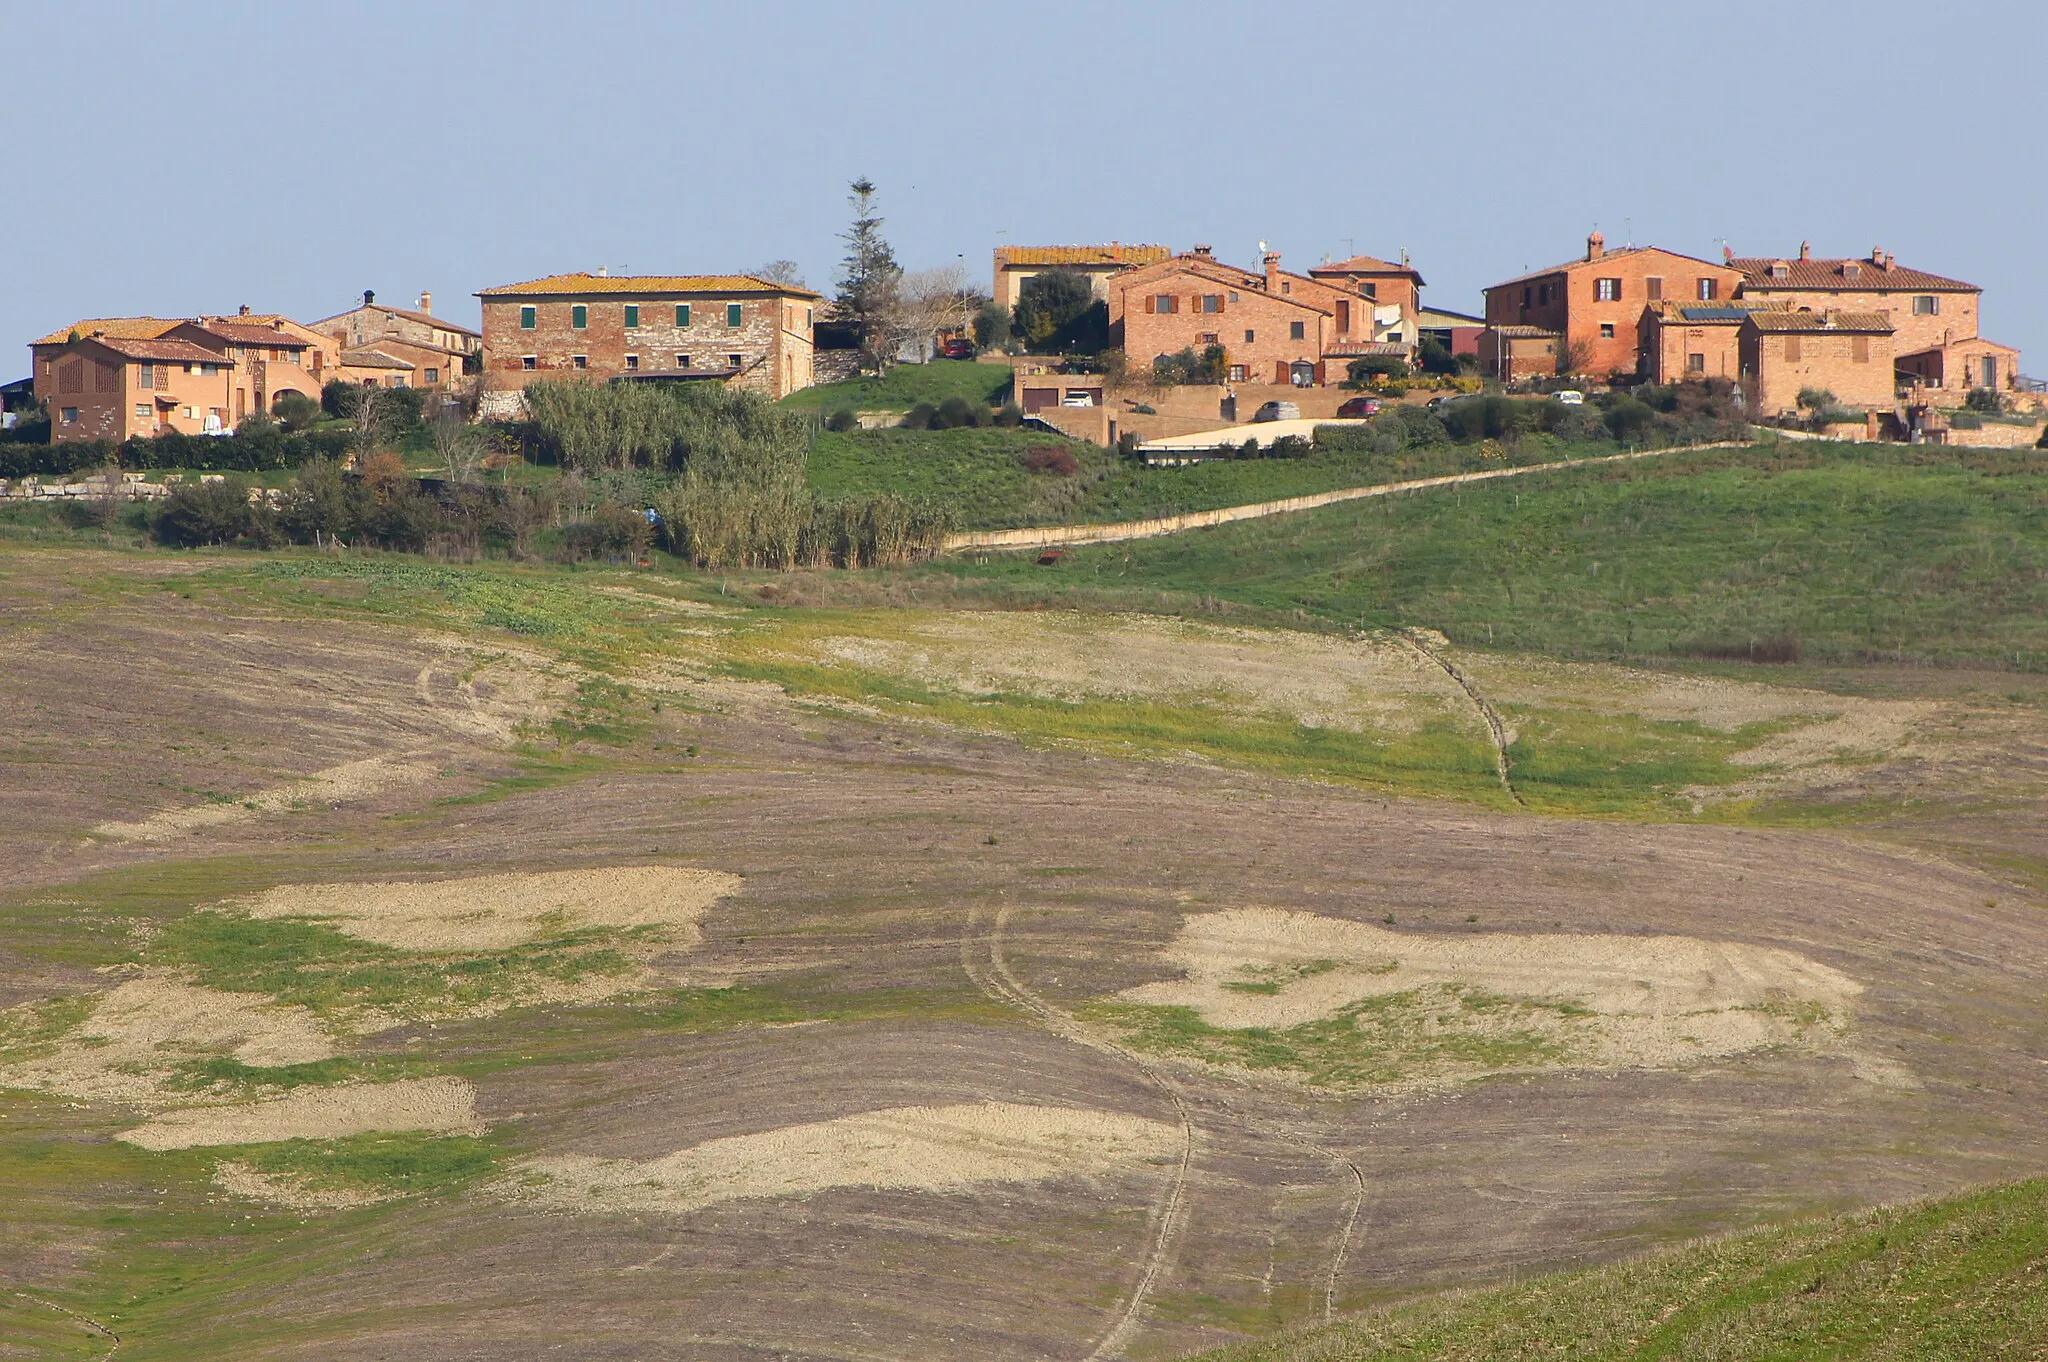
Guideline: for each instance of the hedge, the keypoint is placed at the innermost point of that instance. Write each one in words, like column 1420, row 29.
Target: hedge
column 217, row 453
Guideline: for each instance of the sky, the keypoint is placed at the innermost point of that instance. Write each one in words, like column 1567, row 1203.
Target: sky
column 174, row 160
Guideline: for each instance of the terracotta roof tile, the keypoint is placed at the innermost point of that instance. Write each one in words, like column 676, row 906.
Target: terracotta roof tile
column 1821, row 321
column 148, row 347
column 1367, row 264
column 1830, row 274
column 1114, row 253
column 571, row 285
column 247, row 331
column 133, row 327
column 1612, row 253
column 1523, row 332
column 370, row 357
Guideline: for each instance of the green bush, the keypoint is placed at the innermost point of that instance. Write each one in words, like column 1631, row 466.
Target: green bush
column 1985, row 400
column 1368, row 370
column 842, row 419
column 1629, row 420
column 1188, row 368
column 611, row 532
column 296, row 411
column 957, row 413
column 200, row 514
column 1009, row 414
column 1434, row 359
column 919, row 417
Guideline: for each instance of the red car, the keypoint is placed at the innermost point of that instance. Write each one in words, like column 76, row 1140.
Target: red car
column 957, row 348
column 1360, row 406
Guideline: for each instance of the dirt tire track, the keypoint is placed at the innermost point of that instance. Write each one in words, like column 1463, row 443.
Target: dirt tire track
column 1170, row 1215
column 1350, row 1226
column 87, row 1320
column 1487, row 712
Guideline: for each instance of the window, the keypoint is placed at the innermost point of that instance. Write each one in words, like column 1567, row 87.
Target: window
column 736, row 361
column 1607, row 331
column 1859, row 349
column 1369, row 290
column 1250, row 335
column 1233, row 295
column 1542, row 294
column 142, row 411
column 527, row 318
column 1526, row 293
column 733, row 312
column 1164, row 303
column 1607, row 290
column 579, row 361
column 1208, row 338
column 1212, row 302
column 1343, row 314
column 682, row 361
column 1653, row 288
column 1237, row 373
column 632, row 362
column 1286, row 287
column 70, row 415
column 191, row 368
column 191, row 413
column 1695, row 364
column 807, row 319
column 528, row 362
column 1297, row 330
column 433, row 375
column 1792, row 349
column 1926, row 305
column 1710, row 289
column 682, row 314
column 632, row 314
column 579, row 315
column 146, row 378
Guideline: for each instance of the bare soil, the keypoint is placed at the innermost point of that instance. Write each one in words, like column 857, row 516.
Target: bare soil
column 446, row 1105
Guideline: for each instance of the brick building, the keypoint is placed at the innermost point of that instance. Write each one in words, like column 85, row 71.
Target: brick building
column 273, row 355
column 1594, row 305
column 1934, row 319
column 1847, row 353
column 1015, row 264
column 106, row 386
column 1682, row 341
column 403, row 347
column 1388, row 298
column 1510, row 352
column 734, row 329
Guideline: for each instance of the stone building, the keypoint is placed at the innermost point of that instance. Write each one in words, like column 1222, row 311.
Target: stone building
column 1388, row 298
column 1594, row 305
column 409, row 344
column 1934, row 318
column 1694, row 341
column 1783, row 352
column 735, row 329
column 1015, row 264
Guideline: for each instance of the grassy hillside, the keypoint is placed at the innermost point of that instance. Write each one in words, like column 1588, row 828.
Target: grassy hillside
column 905, row 385
column 1847, row 552
column 1966, row 1278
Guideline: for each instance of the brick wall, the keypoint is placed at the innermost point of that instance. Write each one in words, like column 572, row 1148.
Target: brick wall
column 770, row 345
column 1824, row 359
column 1955, row 319
column 1607, row 330
column 1668, row 346
column 1255, row 329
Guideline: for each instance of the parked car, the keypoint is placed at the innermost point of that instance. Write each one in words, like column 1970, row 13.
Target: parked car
column 1077, row 400
column 1359, row 406
column 957, row 348
column 1571, row 397
column 1278, row 411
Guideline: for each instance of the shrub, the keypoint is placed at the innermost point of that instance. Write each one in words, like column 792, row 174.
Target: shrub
column 1187, row 367
column 296, row 411
column 919, row 417
column 991, row 325
column 1434, row 359
column 202, row 513
column 1364, row 372
column 611, row 532
column 1629, row 420
column 1816, row 399
column 1009, row 414
column 1985, row 400
column 1056, row 460
column 842, row 419
column 957, row 413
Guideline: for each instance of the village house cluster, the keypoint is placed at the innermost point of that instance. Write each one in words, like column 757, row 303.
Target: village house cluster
column 1874, row 333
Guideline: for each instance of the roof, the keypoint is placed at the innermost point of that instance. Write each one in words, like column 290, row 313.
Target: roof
column 1820, row 273
column 247, row 331
column 1114, row 253
column 569, row 285
column 1438, row 316
column 1617, row 253
column 423, row 318
column 1215, row 271
column 151, row 348
column 134, row 327
column 1821, row 321
column 1353, row 349
column 370, row 357
column 1523, row 332
column 1366, row 264
column 1972, row 343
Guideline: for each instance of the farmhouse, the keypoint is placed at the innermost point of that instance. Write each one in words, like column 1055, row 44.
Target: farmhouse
column 111, row 387
column 1594, row 305
column 1846, row 353
column 1680, row 341
column 734, row 329
column 1015, row 264
column 434, row 351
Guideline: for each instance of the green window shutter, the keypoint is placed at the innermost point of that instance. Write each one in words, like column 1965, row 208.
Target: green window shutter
column 732, row 314
column 526, row 321
column 682, row 314
column 579, row 316
column 632, row 314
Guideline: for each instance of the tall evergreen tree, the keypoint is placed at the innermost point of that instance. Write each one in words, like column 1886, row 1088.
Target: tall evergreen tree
column 868, row 285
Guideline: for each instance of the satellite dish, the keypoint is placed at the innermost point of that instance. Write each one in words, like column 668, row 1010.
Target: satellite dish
column 1262, row 248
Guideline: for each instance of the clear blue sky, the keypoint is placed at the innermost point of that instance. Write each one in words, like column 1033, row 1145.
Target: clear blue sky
column 179, row 159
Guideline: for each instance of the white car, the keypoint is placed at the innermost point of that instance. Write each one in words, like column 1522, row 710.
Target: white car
column 1571, row 397
column 1077, row 400
column 1278, row 411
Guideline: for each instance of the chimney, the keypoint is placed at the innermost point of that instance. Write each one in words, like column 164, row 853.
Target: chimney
column 369, row 297
column 242, row 311
column 1596, row 246
column 1727, row 254
column 1203, row 248
column 1806, row 250
column 426, row 302
column 1271, row 260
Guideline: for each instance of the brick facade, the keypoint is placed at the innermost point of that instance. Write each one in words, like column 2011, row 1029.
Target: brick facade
column 1847, row 353
column 436, row 349
column 113, row 388
column 1681, row 341
column 734, row 329
column 1596, row 303
column 1268, row 335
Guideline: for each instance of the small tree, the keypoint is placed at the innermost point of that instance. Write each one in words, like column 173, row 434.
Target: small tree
column 992, row 325
column 202, row 513
column 781, row 272
column 296, row 411
column 1572, row 356
column 1984, row 400
column 1052, row 313
column 867, row 283
column 1816, row 400
column 923, row 303
column 1434, row 359
column 459, row 444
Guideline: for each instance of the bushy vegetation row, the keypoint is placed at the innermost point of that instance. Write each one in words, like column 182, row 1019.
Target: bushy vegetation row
column 257, row 446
